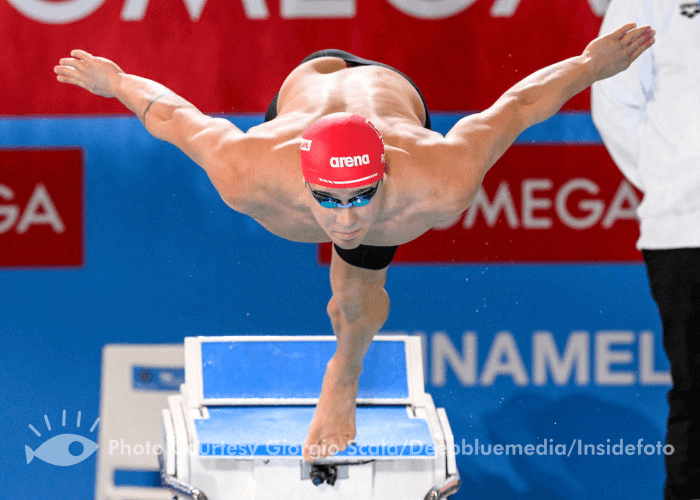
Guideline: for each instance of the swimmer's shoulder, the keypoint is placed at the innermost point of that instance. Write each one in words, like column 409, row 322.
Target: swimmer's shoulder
column 257, row 168
column 439, row 177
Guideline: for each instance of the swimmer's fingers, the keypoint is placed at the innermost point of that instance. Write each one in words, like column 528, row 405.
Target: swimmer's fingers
column 634, row 36
column 79, row 59
column 620, row 32
column 639, row 42
column 80, row 54
column 65, row 73
column 95, row 74
column 615, row 51
column 69, row 61
column 311, row 452
column 71, row 80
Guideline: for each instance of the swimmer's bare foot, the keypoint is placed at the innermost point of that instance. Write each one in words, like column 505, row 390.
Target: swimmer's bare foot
column 333, row 425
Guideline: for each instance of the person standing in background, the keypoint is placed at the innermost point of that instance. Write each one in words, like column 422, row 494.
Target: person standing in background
column 649, row 119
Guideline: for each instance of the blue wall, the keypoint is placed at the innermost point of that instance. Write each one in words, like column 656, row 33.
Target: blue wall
column 165, row 259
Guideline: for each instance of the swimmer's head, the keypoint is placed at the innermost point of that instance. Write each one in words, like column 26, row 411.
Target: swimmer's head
column 346, row 215
column 342, row 151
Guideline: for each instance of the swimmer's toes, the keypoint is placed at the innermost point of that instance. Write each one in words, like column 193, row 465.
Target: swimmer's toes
column 339, row 443
column 311, row 451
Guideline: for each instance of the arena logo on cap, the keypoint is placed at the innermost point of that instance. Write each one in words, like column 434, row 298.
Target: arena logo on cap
column 349, row 161
column 305, row 145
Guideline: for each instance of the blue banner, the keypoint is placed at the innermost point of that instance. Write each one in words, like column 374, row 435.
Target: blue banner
column 553, row 376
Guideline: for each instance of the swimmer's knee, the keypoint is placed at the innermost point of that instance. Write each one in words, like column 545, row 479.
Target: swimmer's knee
column 333, row 310
column 372, row 308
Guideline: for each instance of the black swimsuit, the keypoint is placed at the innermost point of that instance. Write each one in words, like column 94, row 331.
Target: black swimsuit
column 364, row 256
column 352, row 61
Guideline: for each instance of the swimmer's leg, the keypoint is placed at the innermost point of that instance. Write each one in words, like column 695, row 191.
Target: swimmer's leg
column 358, row 309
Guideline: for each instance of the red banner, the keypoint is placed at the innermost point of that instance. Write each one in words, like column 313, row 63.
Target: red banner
column 41, row 208
column 542, row 204
column 539, row 204
column 232, row 56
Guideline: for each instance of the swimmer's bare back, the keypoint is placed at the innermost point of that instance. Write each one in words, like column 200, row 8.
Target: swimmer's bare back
column 324, row 86
column 431, row 178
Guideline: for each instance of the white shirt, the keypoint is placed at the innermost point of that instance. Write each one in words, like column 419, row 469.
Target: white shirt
column 649, row 119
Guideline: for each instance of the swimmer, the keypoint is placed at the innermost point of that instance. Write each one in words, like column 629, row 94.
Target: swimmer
column 346, row 155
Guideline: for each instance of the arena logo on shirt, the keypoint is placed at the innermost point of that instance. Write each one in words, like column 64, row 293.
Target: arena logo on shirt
column 690, row 10
column 41, row 208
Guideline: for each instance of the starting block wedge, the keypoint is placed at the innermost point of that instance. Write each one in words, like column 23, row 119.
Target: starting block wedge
column 236, row 429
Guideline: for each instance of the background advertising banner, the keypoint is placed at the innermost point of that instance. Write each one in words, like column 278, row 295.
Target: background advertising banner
column 43, row 208
column 538, row 327
column 231, row 56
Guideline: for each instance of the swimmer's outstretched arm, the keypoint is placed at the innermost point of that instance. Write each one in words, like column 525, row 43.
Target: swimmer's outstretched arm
column 165, row 115
column 480, row 139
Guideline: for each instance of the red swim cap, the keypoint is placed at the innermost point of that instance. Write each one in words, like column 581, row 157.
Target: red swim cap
column 345, row 152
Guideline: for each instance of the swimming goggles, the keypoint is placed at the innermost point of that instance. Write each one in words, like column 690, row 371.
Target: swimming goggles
column 360, row 200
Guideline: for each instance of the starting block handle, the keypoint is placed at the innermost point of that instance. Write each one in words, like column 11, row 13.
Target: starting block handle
column 446, row 489
column 176, row 486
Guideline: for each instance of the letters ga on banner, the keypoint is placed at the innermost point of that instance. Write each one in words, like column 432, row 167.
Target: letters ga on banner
column 41, row 208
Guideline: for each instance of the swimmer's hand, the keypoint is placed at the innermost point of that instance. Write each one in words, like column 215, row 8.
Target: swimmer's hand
column 615, row 51
column 96, row 74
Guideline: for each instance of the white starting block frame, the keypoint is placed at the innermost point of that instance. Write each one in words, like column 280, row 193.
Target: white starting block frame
column 236, row 430
column 136, row 382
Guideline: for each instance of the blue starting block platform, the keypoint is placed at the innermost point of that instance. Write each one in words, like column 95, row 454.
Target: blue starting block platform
column 382, row 432
column 236, row 429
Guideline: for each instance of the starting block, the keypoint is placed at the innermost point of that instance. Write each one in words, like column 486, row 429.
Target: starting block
column 236, row 429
